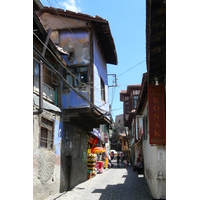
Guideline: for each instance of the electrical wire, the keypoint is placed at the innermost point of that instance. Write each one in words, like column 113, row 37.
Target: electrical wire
column 48, row 65
column 68, row 28
column 98, row 89
column 81, row 43
column 96, row 117
column 59, row 82
column 95, row 88
column 61, row 64
column 131, row 68
column 116, row 109
column 92, row 58
column 55, row 80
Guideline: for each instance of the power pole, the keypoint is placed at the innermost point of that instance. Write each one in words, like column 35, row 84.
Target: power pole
column 114, row 81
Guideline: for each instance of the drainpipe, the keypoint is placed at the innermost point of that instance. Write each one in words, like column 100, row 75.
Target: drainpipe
column 41, row 76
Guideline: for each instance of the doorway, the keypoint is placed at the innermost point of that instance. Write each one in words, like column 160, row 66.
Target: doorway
column 68, row 173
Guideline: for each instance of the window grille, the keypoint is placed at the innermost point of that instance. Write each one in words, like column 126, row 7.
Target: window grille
column 46, row 134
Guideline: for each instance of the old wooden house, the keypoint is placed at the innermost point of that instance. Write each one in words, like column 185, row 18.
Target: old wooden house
column 47, row 113
column 129, row 98
column 151, row 102
column 86, row 45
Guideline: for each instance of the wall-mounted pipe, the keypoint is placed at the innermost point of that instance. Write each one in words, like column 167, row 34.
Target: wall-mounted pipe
column 41, row 76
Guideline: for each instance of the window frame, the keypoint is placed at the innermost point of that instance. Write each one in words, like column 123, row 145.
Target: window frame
column 127, row 106
column 72, row 80
column 49, row 131
column 103, row 94
column 135, row 100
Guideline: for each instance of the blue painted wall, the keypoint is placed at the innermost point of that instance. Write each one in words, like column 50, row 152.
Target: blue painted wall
column 79, row 42
column 72, row 100
column 57, row 136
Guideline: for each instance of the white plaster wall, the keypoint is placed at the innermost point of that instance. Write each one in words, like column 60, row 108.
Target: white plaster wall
column 155, row 166
column 150, row 162
column 140, row 126
column 100, row 70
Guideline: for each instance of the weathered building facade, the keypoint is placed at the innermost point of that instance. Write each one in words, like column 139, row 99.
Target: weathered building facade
column 86, row 45
column 151, row 103
column 129, row 98
column 47, row 114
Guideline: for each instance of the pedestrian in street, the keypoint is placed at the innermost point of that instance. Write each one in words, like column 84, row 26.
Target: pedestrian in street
column 122, row 158
column 140, row 166
column 118, row 160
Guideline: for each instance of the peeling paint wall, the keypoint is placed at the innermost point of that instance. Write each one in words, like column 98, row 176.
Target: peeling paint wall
column 78, row 45
column 154, row 166
column 46, row 162
column 49, row 20
column 71, row 100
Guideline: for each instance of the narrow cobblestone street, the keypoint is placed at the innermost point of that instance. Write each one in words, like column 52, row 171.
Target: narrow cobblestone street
column 115, row 183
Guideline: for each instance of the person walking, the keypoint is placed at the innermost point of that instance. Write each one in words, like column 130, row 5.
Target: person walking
column 140, row 166
column 122, row 159
column 118, row 160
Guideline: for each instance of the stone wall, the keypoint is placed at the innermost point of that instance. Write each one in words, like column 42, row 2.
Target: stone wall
column 46, row 162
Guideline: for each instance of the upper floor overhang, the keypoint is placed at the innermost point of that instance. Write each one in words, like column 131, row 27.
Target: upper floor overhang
column 40, row 34
column 142, row 99
column 86, row 118
column 100, row 26
column 129, row 90
column 156, row 40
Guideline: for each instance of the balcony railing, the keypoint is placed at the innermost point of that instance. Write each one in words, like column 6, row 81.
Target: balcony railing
column 48, row 91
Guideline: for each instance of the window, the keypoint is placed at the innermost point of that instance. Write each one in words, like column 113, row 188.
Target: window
column 80, row 76
column 127, row 106
column 145, row 131
column 135, row 98
column 136, row 92
column 36, row 68
column 102, row 90
column 46, row 135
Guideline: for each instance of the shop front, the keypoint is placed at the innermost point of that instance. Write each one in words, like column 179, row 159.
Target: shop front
column 96, row 153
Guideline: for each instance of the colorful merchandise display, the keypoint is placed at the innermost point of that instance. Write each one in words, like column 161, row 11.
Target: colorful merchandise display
column 98, row 150
column 100, row 166
column 91, row 164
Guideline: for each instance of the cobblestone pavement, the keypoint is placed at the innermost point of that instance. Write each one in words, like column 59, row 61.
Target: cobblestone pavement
column 113, row 184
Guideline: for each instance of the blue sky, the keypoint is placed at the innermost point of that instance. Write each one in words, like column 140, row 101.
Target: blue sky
column 127, row 24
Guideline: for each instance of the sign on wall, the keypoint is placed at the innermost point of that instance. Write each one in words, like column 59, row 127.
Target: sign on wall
column 157, row 129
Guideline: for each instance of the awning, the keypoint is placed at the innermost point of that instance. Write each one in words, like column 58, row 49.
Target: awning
column 46, row 105
column 96, row 133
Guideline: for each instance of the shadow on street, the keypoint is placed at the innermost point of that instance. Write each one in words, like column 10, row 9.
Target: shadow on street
column 133, row 187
